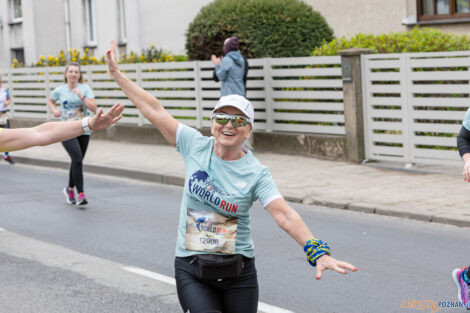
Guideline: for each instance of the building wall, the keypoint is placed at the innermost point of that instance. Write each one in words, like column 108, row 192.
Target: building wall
column 165, row 22
column 348, row 18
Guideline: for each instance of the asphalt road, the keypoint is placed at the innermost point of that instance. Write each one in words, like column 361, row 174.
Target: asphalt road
column 134, row 223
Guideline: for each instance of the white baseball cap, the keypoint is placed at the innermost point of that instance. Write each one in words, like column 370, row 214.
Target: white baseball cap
column 238, row 102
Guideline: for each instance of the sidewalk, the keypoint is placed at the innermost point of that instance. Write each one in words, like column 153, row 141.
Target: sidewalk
column 440, row 197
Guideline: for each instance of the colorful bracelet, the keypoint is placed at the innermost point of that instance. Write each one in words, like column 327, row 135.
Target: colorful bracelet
column 315, row 248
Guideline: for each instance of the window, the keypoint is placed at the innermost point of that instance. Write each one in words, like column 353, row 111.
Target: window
column 434, row 10
column 16, row 12
column 122, row 22
column 18, row 54
column 90, row 23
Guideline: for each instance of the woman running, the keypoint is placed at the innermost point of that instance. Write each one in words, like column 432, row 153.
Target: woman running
column 214, row 265
column 75, row 100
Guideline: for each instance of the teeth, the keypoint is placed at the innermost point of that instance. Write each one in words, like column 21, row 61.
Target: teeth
column 228, row 134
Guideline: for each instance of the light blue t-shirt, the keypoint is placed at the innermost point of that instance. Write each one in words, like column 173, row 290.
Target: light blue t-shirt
column 71, row 106
column 228, row 188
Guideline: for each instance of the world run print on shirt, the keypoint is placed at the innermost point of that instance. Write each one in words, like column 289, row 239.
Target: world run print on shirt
column 204, row 190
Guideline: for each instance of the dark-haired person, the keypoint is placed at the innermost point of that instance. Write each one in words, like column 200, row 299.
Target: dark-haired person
column 75, row 100
column 4, row 121
column 51, row 132
column 214, row 264
column 231, row 70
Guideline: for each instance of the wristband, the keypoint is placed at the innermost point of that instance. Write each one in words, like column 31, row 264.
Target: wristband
column 85, row 125
column 314, row 249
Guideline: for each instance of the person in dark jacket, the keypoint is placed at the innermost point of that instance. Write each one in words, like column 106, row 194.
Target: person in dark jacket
column 231, row 70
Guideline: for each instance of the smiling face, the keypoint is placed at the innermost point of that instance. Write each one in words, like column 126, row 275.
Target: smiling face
column 72, row 74
column 228, row 136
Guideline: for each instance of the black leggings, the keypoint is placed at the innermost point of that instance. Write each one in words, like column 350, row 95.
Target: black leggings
column 234, row 295
column 76, row 148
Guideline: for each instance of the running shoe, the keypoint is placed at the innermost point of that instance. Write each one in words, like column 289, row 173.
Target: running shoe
column 81, row 199
column 69, row 195
column 8, row 159
column 463, row 287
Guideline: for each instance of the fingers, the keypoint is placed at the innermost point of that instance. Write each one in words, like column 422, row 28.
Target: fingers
column 347, row 266
column 319, row 273
column 99, row 113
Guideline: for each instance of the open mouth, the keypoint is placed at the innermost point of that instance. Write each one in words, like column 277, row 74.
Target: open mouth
column 228, row 134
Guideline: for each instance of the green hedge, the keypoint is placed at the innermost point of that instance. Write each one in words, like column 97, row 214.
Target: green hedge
column 275, row 28
column 416, row 40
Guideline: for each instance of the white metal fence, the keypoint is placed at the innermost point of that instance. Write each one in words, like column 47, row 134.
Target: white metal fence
column 414, row 105
column 289, row 94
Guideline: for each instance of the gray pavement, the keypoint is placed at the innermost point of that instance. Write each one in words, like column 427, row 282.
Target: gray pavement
column 428, row 193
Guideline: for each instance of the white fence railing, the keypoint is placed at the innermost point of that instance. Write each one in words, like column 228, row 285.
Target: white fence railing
column 289, row 94
column 414, row 105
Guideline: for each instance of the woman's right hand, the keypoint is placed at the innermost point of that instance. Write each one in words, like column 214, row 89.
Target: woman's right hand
column 113, row 68
column 466, row 170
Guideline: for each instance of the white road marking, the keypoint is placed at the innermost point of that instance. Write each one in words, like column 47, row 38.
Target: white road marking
column 262, row 307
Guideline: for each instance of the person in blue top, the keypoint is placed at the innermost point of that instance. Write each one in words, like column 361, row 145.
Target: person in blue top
column 75, row 100
column 4, row 121
column 461, row 276
column 232, row 69
column 214, row 264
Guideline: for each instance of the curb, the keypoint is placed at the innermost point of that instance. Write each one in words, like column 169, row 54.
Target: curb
column 362, row 207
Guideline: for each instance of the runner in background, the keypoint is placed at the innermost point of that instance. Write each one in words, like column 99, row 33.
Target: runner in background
column 75, row 100
column 4, row 121
column 214, row 264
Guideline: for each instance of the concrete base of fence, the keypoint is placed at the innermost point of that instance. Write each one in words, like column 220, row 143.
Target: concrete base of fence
column 330, row 147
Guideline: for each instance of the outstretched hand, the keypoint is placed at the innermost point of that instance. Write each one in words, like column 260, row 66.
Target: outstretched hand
column 102, row 121
column 327, row 262
column 112, row 59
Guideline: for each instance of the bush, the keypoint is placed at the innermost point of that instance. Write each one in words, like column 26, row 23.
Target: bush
column 416, row 40
column 275, row 28
column 150, row 55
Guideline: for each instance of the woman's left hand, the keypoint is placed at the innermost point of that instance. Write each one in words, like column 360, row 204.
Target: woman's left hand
column 327, row 262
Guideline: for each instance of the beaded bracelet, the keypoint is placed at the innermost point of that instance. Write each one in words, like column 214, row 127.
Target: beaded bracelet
column 315, row 248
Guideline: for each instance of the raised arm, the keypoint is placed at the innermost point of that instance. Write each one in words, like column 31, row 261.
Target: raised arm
column 150, row 107
column 291, row 222
column 51, row 132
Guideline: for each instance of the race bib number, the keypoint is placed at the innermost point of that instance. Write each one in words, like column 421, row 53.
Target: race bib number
column 74, row 115
column 208, row 231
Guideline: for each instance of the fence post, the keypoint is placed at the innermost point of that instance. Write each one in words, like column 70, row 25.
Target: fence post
column 197, row 89
column 12, row 96
column 268, row 94
column 353, row 102
column 139, row 83
column 47, row 91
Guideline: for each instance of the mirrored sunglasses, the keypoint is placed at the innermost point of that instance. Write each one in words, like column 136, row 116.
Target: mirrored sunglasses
column 237, row 120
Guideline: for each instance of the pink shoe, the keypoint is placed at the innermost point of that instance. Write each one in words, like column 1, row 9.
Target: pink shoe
column 463, row 287
column 81, row 199
column 69, row 195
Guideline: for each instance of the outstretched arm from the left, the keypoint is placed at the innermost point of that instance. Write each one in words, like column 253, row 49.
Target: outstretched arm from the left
column 291, row 222
column 51, row 132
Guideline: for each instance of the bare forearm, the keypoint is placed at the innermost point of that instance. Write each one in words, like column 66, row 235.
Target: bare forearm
column 90, row 103
column 41, row 135
column 294, row 225
column 144, row 101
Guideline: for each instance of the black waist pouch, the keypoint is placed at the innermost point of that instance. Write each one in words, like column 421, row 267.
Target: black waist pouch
column 216, row 267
